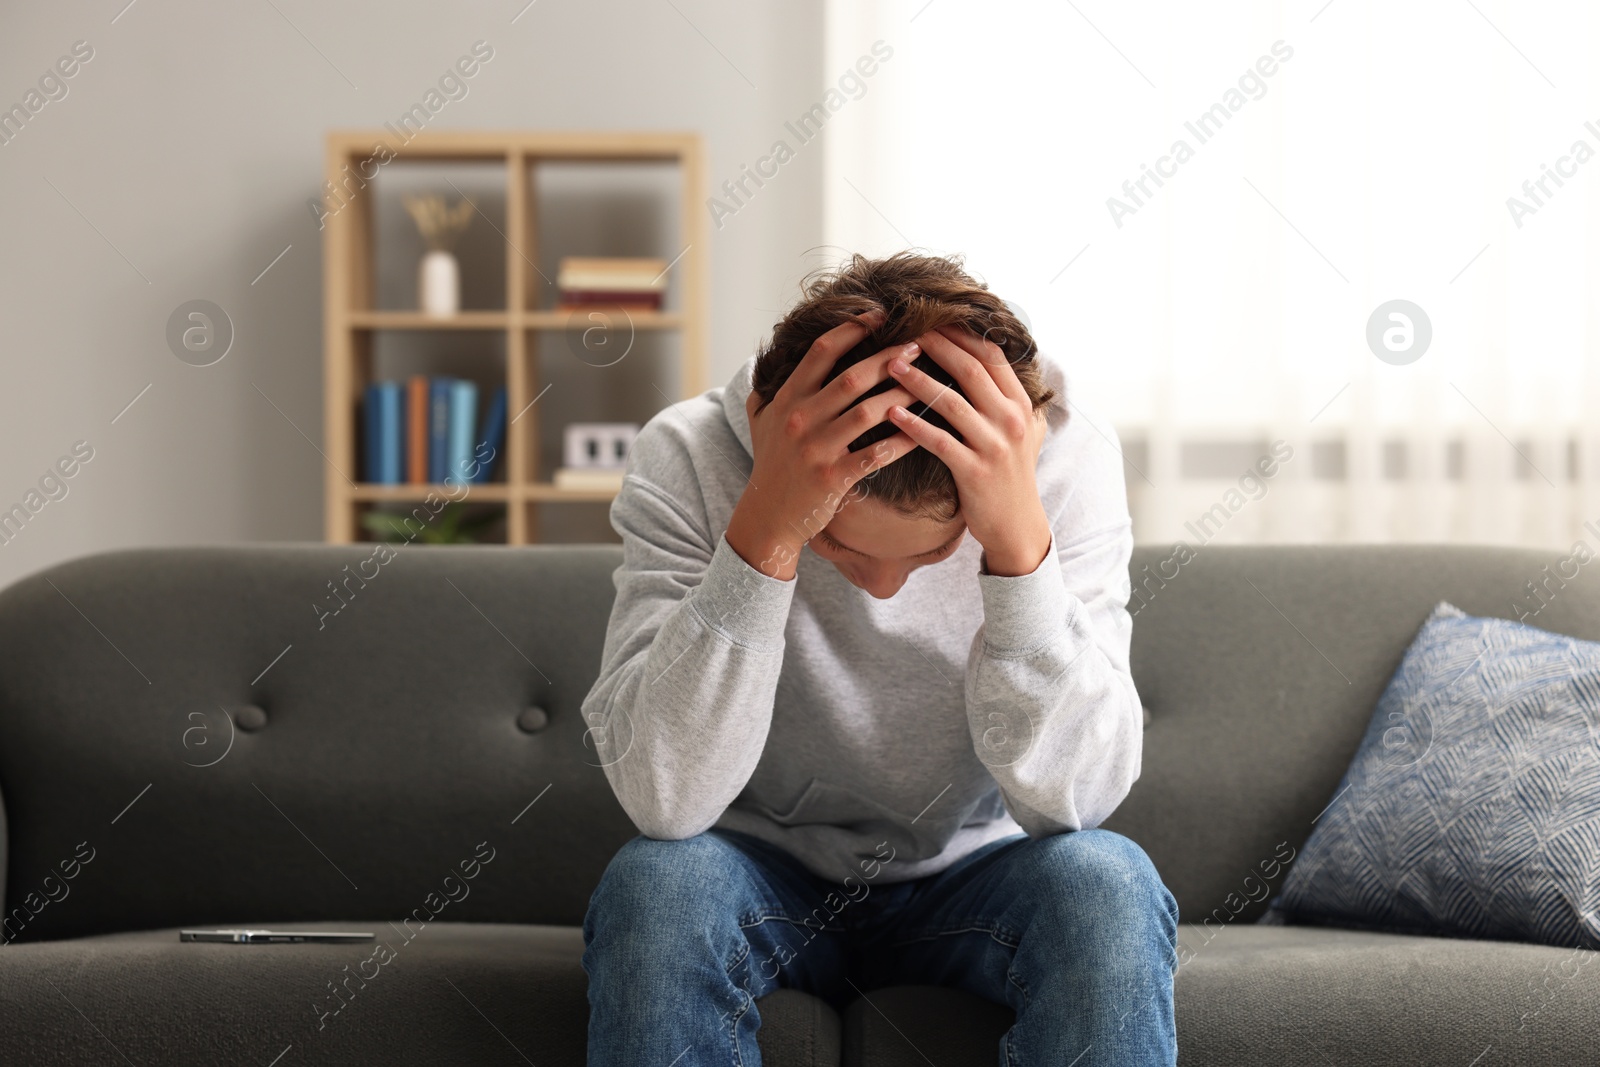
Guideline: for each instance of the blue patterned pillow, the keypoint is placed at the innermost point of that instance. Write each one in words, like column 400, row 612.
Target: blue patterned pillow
column 1472, row 807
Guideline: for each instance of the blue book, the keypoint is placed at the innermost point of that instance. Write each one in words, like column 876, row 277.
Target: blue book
column 391, row 433
column 438, row 428
column 372, row 440
column 463, row 423
column 493, row 436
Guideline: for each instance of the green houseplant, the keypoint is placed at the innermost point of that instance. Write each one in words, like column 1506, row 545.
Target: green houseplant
column 454, row 526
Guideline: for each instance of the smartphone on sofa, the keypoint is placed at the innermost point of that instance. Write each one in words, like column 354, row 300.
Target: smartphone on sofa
column 252, row 937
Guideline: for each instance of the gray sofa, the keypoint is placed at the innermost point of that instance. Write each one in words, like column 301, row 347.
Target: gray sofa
column 196, row 737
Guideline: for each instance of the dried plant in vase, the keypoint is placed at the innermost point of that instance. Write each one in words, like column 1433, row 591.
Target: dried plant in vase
column 439, row 275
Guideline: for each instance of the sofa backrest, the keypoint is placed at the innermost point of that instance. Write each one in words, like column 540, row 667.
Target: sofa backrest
column 386, row 753
column 197, row 736
column 1261, row 666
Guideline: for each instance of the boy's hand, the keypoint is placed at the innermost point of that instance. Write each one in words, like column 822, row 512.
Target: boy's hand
column 994, row 468
column 803, row 465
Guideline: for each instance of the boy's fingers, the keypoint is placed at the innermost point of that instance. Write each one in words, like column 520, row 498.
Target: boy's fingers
column 864, row 416
column 807, row 378
column 838, row 395
column 880, row 454
column 970, row 372
column 971, row 342
column 993, row 358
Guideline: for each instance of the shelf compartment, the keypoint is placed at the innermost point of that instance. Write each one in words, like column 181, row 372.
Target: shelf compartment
column 592, row 208
column 396, row 248
column 490, row 526
column 498, row 492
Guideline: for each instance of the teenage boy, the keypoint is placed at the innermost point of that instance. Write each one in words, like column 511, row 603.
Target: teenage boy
column 865, row 693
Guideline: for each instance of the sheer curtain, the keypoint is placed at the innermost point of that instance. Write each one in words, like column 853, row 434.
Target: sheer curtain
column 1201, row 211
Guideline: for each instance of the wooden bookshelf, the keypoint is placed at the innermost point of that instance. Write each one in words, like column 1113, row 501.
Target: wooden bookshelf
column 350, row 319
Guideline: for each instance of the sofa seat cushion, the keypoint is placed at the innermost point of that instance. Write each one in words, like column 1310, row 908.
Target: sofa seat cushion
column 1264, row 996
column 1276, row 994
column 480, row 993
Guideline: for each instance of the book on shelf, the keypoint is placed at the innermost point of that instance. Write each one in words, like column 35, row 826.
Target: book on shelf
column 493, row 436
column 384, row 433
column 438, row 429
column 393, row 432
column 372, row 434
column 417, row 430
column 603, row 479
column 585, row 281
column 463, row 409
column 426, row 430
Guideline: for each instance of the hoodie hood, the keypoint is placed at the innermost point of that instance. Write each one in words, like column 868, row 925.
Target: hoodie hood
column 734, row 396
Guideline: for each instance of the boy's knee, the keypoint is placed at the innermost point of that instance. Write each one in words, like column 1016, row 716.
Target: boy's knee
column 653, row 855
column 1098, row 893
column 655, row 879
column 1100, row 869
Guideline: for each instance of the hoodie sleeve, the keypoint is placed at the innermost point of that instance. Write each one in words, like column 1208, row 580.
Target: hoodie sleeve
column 1051, row 703
column 680, row 711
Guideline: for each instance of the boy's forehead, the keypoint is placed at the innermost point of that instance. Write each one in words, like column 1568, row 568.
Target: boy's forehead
column 871, row 528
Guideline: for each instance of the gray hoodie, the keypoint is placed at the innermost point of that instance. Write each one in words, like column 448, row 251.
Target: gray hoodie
column 869, row 738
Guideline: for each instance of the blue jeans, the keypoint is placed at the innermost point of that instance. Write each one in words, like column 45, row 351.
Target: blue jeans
column 1075, row 932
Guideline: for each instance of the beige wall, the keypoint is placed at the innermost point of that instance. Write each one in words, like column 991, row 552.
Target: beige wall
column 188, row 146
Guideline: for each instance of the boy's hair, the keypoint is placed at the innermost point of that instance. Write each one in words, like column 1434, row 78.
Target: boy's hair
column 917, row 293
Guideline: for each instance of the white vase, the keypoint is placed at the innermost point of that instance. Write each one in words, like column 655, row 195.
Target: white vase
column 439, row 284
